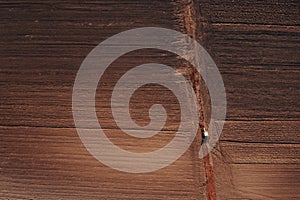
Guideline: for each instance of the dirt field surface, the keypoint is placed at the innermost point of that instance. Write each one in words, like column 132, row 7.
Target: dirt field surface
column 255, row 45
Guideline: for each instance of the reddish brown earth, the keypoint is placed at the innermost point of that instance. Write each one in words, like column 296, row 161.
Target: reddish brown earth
column 255, row 45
